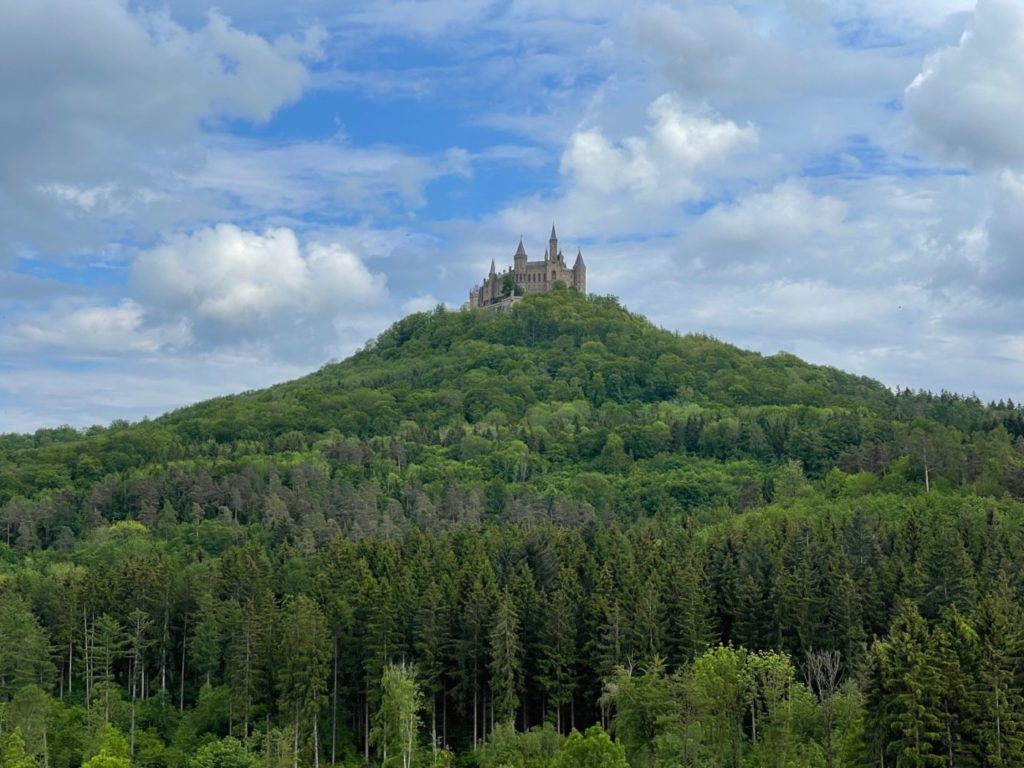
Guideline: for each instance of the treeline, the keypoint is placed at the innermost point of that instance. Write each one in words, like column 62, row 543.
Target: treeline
column 174, row 639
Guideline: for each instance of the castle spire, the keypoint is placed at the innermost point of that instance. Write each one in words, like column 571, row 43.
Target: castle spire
column 493, row 270
column 520, row 251
column 579, row 259
column 553, row 244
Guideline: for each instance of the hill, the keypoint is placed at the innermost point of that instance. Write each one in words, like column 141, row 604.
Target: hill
column 560, row 515
column 457, row 386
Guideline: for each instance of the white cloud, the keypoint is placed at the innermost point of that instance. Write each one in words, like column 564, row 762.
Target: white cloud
column 660, row 165
column 92, row 330
column 234, row 285
column 769, row 227
column 968, row 100
column 97, row 98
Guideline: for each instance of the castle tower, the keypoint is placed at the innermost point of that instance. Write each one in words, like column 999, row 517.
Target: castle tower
column 579, row 272
column 553, row 245
column 520, row 260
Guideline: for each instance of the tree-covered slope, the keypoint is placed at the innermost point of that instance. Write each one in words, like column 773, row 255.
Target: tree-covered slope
column 469, row 386
column 484, row 530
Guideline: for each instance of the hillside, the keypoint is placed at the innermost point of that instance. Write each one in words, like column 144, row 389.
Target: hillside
column 562, row 515
column 460, row 386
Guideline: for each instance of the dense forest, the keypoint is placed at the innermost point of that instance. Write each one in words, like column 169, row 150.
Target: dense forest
column 557, row 537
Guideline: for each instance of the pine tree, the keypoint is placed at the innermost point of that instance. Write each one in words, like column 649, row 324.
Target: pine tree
column 506, row 659
column 999, row 622
column 302, row 669
column 558, row 649
column 907, row 700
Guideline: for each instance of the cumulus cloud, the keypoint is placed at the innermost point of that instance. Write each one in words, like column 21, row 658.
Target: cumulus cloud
column 89, row 105
column 968, row 100
column 94, row 330
column 233, row 285
column 615, row 186
column 659, row 165
column 767, row 229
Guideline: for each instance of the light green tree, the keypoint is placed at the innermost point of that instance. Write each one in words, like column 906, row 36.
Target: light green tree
column 397, row 722
column 595, row 749
column 226, row 753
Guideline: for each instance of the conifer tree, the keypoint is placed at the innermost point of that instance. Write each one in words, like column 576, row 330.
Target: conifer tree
column 506, row 659
column 999, row 622
column 302, row 669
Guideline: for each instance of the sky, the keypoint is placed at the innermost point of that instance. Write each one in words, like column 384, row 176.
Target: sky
column 196, row 201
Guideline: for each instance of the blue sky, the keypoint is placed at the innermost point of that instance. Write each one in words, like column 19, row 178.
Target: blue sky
column 197, row 201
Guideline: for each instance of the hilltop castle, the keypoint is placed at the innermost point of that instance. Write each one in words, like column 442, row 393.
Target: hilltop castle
column 502, row 289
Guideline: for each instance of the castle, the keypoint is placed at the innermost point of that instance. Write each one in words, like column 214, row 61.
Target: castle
column 500, row 290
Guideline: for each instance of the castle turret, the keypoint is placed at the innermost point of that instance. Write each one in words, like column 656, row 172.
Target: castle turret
column 579, row 272
column 520, row 258
column 553, row 245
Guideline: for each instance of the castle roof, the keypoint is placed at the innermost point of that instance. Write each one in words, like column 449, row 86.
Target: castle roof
column 553, row 235
column 520, row 251
column 579, row 259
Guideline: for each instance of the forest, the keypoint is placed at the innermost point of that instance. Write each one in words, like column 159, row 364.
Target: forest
column 555, row 537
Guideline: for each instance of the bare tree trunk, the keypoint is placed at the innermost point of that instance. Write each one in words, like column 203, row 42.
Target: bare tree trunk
column 334, row 705
column 184, row 642
column 366, row 728
column 131, row 672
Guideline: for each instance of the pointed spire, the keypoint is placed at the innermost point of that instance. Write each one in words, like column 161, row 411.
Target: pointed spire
column 553, row 235
column 493, row 270
column 579, row 259
column 520, row 251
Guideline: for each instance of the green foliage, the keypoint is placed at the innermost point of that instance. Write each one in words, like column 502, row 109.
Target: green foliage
column 224, row 753
column 533, row 508
column 113, row 751
column 14, row 755
column 594, row 749
column 397, row 722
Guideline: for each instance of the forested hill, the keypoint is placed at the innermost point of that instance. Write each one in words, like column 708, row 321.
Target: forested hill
column 466, row 386
column 484, row 530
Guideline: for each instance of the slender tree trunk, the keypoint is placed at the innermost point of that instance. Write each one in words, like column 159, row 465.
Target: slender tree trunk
column 85, row 654
column 184, row 642
column 131, row 673
column 999, row 732
column 316, row 740
column 163, row 646
column 334, row 705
